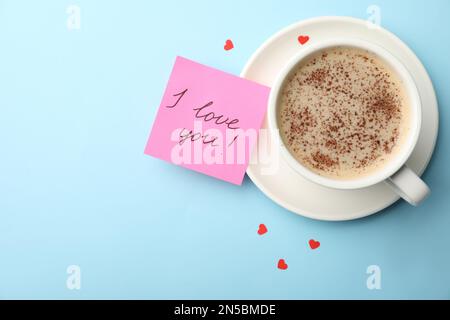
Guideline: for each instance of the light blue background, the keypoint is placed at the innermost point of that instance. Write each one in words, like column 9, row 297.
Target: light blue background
column 76, row 108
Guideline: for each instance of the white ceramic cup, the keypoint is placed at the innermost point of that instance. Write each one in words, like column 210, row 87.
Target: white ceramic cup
column 395, row 173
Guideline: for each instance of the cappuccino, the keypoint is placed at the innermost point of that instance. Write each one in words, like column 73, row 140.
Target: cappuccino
column 343, row 113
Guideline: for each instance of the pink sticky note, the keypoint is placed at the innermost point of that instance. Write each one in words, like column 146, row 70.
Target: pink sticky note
column 208, row 121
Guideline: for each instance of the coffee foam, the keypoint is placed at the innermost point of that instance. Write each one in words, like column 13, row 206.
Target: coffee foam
column 343, row 113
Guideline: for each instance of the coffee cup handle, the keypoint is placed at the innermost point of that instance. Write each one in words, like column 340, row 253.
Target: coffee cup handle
column 409, row 186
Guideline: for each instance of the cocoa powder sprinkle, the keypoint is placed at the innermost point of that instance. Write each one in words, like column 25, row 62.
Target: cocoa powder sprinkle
column 341, row 112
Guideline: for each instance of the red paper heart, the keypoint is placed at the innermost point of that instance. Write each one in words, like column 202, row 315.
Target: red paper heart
column 314, row 244
column 303, row 39
column 282, row 264
column 228, row 45
column 262, row 229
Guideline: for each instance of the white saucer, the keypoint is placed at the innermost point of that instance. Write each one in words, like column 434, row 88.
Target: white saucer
column 292, row 191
